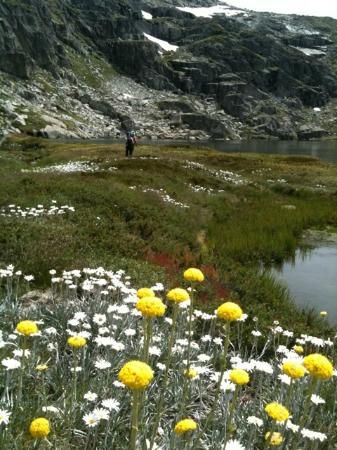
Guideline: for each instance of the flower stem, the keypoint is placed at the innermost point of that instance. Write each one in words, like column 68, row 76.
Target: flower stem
column 218, row 387
column 231, row 413
column 164, row 386
column 147, row 338
column 74, row 396
column 134, row 420
column 22, row 368
column 306, row 408
column 189, row 331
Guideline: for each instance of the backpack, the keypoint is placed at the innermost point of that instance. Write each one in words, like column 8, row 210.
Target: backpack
column 130, row 141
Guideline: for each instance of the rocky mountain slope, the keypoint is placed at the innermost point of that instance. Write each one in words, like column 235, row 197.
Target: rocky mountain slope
column 170, row 69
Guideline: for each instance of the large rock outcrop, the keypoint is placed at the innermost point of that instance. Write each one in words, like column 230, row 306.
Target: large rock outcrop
column 239, row 61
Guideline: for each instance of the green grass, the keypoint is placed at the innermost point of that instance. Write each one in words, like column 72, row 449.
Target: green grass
column 91, row 69
column 229, row 234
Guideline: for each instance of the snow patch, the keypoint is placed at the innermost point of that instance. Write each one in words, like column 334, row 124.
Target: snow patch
column 310, row 51
column 212, row 10
column 301, row 30
column 146, row 15
column 163, row 44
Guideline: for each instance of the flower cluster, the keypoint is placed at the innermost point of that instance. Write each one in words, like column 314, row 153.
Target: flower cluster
column 27, row 327
column 151, row 306
column 102, row 371
column 39, row 211
column 136, row 375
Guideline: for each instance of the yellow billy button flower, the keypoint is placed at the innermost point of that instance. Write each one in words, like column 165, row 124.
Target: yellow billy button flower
column 277, row 411
column 185, row 425
column 27, row 327
column 190, row 373
column 39, row 428
column 293, row 369
column 145, row 292
column 318, row 366
column 229, row 311
column 239, row 376
column 151, row 306
column 298, row 349
column 136, row 375
column 177, row 295
column 193, row 275
column 274, row 438
column 41, row 367
column 76, row 341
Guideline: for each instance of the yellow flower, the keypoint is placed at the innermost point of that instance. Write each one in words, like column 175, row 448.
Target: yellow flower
column 298, row 349
column 239, row 376
column 145, row 292
column 229, row 311
column 41, row 367
column 293, row 369
column 190, row 373
column 151, row 306
column 274, row 438
column 185, row 425
column 27, row 327
column 77, row 341
column 177, row 295
column 318, row 366
column 39, row 428
column 323, row 313
column 192, row 274
column 136, row 375
column 277, row 411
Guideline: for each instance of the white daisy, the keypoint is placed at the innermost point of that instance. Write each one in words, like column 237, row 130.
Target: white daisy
column 91, row 420
column 233, row 444
column 11, row 363
column 154, row 350
column 52, row 409
column 313, row 435
column 284, row 379
column 129, row 332
column 99, row 319
column 101, row 413
column 161, row 366
column 317, row 400
column 102, row 364
column 111, row 404
column 90, row 396
column 253, row 420
column 4, row 416
column 118, row 384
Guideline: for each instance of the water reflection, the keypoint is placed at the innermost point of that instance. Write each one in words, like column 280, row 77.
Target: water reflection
column 312, row 279
column 324, row 150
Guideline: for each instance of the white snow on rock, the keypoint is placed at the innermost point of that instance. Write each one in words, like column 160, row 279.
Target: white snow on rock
column 310, row 51
column 146, row 15
column 163, row 44
column 301, row 30
column 212, row 10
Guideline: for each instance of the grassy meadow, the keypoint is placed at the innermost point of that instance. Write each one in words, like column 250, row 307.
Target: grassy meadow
column 92, row 228
column 233, row 215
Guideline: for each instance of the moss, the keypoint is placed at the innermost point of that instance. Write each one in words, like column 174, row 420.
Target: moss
column 91, row 69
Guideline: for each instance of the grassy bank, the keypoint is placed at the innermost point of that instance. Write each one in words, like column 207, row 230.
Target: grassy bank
column 164, row 209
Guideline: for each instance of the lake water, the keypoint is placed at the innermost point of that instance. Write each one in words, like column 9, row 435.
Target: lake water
column 324, row 150
column 312, row 279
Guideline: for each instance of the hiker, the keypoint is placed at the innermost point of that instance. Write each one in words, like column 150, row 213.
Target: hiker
column 130, row 143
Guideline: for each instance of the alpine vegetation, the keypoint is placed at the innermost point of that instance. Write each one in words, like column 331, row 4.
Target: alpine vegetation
column 104, row 365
